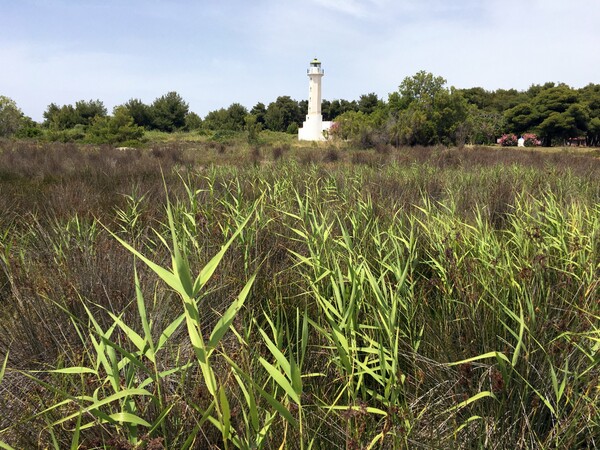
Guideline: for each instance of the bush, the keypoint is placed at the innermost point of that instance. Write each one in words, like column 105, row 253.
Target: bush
column 224, row 135
column 114, row 130
column 10, row 117
column 508, row 140
column 74, row 134
column 531, row 140
column 29, row 129
column 292, row 128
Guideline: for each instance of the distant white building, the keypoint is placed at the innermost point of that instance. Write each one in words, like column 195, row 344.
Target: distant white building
column 313, row 128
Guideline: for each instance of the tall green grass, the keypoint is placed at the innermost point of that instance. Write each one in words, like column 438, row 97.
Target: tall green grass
column 420, row 304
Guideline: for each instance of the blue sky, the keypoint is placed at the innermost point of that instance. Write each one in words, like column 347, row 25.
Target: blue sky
column 216, row 52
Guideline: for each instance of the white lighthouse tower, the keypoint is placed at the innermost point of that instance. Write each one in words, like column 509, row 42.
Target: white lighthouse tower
column 313, row 127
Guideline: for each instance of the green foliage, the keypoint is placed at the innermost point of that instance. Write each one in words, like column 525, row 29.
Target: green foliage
column 522, row 118
column 168, row 112
column 231, row 118
column 478, row 97
column 73, row 134
column 193, row 122
column 555, row 112
column 413, row 127
column 292, row 128
column 60, row 118
column 335, row 108
column 252, row 127
column 88, row 111
column 425, row 112
column 594, row 131
column 259, row 110
column 282, row 113
column 368, row 103
column 423, row 88
column 68, row 116
column 225, row 136
column 117, row 129
column 11, row 117
column 562, row 125
column 140, row 112
column 29, row 129
column 355, row 126
column 484, row 126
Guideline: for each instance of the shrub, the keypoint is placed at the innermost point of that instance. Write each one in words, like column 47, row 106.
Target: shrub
column 292, row 128
column 10, row 117
column 29, row 129
column 114, row 130
column 77, row 133
column 531, row 140
column 508, row 140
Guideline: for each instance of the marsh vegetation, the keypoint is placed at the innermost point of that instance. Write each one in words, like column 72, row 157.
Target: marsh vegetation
column 202, row 294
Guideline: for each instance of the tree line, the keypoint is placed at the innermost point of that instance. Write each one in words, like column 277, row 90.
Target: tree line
column 423, row 111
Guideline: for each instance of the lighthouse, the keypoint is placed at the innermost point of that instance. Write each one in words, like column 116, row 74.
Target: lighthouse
column 313, row 127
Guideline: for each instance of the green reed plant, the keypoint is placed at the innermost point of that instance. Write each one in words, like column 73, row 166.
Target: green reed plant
column 281, row 385
column 423, row 303
column 181, row 281
column 129, row 218
column 507, row 299
column 125, row 367
column 117, row 399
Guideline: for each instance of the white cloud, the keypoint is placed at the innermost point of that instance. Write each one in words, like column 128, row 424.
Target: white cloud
column 356, row 8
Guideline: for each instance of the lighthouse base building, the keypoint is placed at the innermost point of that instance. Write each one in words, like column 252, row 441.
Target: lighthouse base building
column 313, row 128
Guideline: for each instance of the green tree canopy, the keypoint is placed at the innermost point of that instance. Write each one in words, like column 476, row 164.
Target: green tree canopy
column 193, row 122
column 68, row 116
column 60, row 117
column 11, row 117
column 423, row 88
column 590, row 96
column 86, row 111
column 282, row 113
column 140, row 112
column 168, row 112
column 368, row 103
column 119, row 128
column 554, row 99
column 426, row 112
column 252, row 127
column 334, row 108
column 479, row 97
column 573, row 122
column 594, row 131
column 231, row 118
column 522, row 118
column 555, row 112
column 484, row 126
column 259, row 111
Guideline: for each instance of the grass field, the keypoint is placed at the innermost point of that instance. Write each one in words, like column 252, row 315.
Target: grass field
column 210, row 294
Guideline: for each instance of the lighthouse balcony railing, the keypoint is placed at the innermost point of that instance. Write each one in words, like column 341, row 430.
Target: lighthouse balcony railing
column 315, row 71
